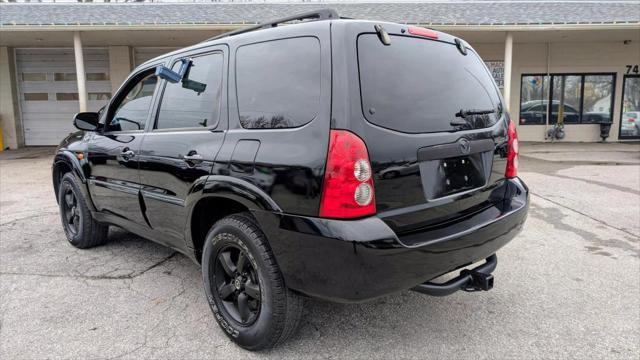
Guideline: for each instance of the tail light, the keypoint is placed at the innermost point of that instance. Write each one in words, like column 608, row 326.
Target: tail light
column 512, row 152
column 348, row 186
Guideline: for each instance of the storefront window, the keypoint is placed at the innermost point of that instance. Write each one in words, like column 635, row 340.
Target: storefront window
column 598, row 99
column 575, row 98
column 533, row 100
column 630, row 121
column 566, row 91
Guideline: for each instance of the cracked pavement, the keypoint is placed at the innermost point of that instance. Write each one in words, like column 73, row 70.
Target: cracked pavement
column 567, row 287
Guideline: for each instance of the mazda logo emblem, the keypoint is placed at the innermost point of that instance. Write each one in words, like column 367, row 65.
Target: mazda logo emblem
column 465, row 146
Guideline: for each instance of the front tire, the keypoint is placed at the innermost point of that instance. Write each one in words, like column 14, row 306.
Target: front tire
column 244, row 285
column 81, row 229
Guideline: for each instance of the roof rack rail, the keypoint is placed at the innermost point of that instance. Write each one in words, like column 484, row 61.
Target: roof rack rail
column 322, row 14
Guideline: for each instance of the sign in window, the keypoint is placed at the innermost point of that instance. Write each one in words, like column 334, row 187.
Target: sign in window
column 496, row 68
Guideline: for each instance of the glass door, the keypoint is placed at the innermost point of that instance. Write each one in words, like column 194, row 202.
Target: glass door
column 630, row 119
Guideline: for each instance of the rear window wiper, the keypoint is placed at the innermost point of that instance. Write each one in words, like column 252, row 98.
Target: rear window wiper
column 464, row 113
column 467, row 117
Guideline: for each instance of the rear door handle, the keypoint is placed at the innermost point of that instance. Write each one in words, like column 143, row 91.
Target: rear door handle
column 127, row 154
column 193, row 158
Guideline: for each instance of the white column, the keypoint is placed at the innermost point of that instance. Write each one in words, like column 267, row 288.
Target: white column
column 508, row 61
column 10, row 123
column 80, row 74
column 120, row 65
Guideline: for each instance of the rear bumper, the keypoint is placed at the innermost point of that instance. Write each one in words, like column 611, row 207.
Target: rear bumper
column 358, row 260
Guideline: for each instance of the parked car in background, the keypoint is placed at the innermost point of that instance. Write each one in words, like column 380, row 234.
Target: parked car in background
column 269, row 163
column 596, row 117
column 535, row 112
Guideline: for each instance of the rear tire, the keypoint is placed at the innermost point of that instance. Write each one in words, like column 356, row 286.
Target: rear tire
column 81, row 229
column 239, row 268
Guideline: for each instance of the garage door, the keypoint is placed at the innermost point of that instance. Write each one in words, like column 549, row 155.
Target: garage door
column 142, row 54
column 49, row 92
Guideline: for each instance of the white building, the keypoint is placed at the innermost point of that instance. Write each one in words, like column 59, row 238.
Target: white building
column 589, row 51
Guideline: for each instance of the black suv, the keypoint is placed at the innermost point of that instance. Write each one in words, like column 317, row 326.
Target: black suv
column 337, row 159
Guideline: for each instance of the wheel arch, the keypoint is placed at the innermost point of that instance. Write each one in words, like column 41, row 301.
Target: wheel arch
column 65, row 162
column 221, row 196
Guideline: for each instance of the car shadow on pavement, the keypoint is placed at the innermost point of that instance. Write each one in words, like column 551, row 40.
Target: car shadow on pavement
column 362, row 323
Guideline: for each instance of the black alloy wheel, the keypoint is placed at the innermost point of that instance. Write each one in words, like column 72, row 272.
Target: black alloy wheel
column 71, row 211
column 80, row 228
column 237, row 283
column 244, row 285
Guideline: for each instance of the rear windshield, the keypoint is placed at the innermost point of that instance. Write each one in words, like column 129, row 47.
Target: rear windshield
column 418, row 85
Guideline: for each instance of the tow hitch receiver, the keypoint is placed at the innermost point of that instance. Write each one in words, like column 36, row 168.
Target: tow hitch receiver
column 476, row 279
column 479, row 281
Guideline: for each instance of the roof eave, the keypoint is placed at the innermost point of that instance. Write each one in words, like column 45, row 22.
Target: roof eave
column 227, row 27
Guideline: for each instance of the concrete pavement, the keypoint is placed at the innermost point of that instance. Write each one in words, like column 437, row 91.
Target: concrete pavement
column 567, row 287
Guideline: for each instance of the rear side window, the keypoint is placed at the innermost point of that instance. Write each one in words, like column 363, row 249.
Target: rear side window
column 194, row 101
column 417, row 85
column 278, row 83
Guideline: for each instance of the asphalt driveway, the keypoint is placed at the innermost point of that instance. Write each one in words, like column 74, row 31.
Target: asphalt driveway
column 567, row 287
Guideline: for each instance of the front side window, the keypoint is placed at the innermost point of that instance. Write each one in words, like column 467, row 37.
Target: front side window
column 567, row 98
column 278, row 83
column 133, row 109
column 194, row 101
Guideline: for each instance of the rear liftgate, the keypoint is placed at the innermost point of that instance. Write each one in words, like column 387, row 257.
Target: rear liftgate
column 463, row 166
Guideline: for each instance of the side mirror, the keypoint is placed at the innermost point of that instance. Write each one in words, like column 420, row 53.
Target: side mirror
column 87, row 121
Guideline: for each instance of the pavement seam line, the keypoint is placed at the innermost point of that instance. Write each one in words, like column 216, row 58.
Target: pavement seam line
column 96, row 277
column 11, row 222
column 583, row 162
column 585, row 215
